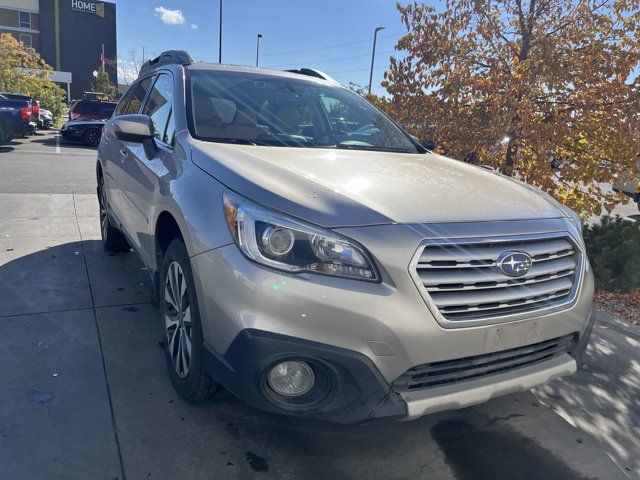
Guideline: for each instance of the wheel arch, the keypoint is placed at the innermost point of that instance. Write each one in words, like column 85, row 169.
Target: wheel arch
column 167, row 229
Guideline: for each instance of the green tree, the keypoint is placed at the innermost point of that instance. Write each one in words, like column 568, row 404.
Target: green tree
column 521, row 84
column 22, row 70
column 104, row 86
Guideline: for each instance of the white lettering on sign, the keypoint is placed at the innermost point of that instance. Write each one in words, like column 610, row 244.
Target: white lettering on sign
column 82, row 6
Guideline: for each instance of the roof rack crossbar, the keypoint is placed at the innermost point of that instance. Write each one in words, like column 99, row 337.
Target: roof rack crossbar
column 177, row 57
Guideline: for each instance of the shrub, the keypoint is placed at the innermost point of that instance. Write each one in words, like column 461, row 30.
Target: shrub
column 613, row 246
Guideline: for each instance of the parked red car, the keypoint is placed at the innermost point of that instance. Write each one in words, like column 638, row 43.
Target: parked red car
column 92, row 110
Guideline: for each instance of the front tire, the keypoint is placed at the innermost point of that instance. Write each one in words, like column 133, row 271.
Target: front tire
column 112, row 239
column 92, row 137
column 182, row 329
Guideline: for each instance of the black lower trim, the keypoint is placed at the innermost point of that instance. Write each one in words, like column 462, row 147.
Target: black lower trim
column 356, row 390
column 581, row 347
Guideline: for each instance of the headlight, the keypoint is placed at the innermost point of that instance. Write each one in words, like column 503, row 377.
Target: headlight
column 285, row 243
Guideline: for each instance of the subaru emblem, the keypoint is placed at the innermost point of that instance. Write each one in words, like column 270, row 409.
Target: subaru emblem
column 514, row 264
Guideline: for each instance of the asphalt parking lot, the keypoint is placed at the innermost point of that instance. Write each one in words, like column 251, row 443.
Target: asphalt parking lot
column 85, row 393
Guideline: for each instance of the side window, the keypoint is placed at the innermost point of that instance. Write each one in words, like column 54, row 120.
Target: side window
column 106, row 109
column 138, row 96
column 89, row 107
column 159, row 104
column 124, row 101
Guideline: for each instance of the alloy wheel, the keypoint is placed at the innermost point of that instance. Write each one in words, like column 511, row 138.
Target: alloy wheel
column 93, row 139
column 177, row 319
column 104, row 216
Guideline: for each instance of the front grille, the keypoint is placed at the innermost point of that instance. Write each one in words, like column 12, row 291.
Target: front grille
column 452, row 371
column 463, row 281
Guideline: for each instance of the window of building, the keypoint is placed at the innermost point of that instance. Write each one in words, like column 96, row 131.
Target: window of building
column 26, row 39
column 25, row 20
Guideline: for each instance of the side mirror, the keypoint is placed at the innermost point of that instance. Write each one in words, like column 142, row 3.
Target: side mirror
column 137, row 129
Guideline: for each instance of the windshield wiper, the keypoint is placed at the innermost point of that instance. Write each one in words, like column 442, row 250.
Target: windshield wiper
column 350, row 146
column 237, row 141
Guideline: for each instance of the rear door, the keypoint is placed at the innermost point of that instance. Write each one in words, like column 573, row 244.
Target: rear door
column 143, row 176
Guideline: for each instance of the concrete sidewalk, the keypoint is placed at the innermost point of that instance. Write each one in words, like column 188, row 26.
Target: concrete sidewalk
column 86, row 394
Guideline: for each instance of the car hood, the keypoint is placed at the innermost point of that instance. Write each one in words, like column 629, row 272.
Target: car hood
column 335, row 188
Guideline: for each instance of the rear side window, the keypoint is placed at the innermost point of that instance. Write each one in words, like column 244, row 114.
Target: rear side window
column 124, row 101
column 138, row 96
column 158, row 106
column 106, row 109
column 88, row 107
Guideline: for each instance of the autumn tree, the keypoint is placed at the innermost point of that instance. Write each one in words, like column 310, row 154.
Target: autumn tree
column 22, row 70
column 522, row 84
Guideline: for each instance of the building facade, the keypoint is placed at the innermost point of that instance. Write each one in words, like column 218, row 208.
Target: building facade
column 75, row 37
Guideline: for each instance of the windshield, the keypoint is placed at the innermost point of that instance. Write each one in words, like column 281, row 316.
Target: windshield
column 257, row 109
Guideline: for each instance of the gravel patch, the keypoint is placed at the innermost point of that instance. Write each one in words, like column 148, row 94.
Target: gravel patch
column 622, row 305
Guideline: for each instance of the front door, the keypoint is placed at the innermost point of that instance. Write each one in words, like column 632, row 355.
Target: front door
column 143, row 175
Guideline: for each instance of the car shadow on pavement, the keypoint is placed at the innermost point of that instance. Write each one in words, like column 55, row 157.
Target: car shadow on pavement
column 86, row 315
column 50, row 141
column 9, row 146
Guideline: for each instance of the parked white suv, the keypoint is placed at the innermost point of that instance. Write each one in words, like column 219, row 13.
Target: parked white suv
column 311, row 258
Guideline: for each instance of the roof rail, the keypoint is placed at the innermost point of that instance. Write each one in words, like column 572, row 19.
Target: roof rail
column 179, row 57
column 312, row 72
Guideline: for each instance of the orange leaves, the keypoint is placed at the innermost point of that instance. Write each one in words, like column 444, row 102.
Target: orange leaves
column 560, row 79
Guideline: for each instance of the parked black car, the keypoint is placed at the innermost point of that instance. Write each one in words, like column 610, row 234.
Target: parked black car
column 92, row 109
column 87, row 131
column 15, row 119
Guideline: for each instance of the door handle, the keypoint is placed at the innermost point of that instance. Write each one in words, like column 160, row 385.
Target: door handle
column 123, row 155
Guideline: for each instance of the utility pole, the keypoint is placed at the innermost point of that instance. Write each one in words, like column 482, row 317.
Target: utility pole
column 258, row 49
column 220, row 38
column 373, row 55
column 142, row 54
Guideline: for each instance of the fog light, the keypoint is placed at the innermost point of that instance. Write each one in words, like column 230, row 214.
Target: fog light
column 291, row 379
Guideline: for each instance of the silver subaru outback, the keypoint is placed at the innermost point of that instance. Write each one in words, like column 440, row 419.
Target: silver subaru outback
column 313, row 259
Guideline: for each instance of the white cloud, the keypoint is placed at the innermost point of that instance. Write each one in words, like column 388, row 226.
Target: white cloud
column 194, row 26
column 170, row 17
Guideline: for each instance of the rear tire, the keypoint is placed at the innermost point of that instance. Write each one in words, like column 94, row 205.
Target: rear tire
column 112, row 239
column 182, row 328
column 3, row 136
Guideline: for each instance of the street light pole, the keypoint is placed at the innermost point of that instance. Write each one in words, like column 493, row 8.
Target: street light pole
column 220, row 37
column 258, row 49
column 373, row 55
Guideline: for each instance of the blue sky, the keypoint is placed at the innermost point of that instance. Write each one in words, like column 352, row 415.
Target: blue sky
column 332, row 35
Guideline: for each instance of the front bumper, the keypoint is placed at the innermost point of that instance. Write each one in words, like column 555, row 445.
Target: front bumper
column 71, row 134
column 355, row 392
column 369, row 333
